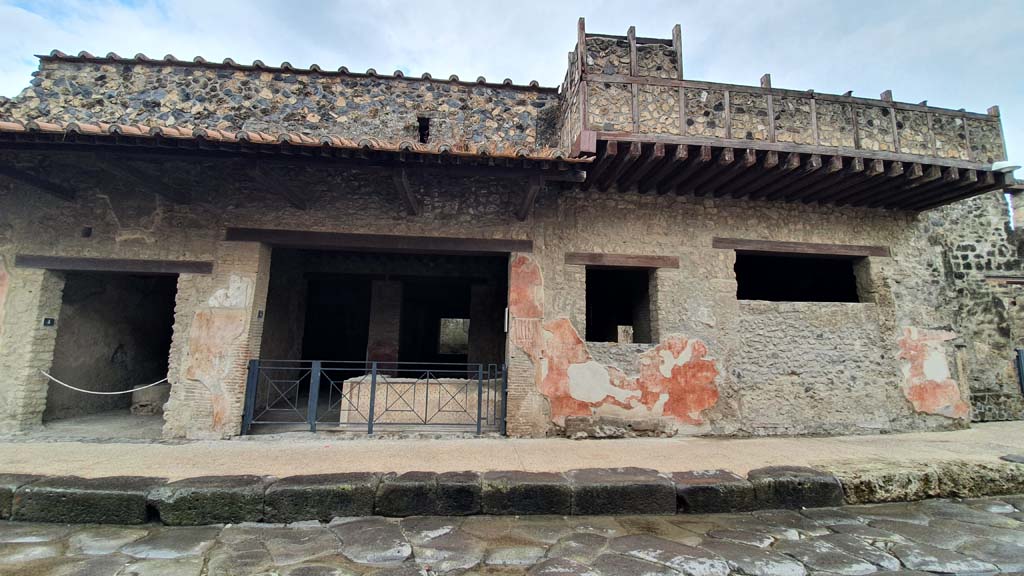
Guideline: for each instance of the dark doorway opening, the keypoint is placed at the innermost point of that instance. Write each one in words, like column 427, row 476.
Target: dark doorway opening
column 792, row 278
column 113, row 335
column 337, row 317
column 617, row 299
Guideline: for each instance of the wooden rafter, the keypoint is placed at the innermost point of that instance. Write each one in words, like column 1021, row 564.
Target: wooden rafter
column 695, row 164
column 405, row 191
column 532, row 191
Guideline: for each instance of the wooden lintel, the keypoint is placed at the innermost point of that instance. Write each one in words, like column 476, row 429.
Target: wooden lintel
column 773, row 246
column 378, row 242
column 118, row 265
column 38, row 182
column 408, row 195
column 621, row 260
column 532, row 191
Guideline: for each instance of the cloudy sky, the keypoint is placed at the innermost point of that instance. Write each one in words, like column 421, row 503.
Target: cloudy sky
column 956, row 54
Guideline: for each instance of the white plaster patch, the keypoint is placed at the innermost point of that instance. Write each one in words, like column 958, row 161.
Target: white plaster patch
column 935, row 366
column 668, row 361
column 236, row 295
column 589, row 382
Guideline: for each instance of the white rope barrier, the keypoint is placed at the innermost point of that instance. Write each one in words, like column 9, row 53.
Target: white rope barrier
column 103, row 393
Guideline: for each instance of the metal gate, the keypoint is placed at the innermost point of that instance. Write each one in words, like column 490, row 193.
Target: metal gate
column 364, row 396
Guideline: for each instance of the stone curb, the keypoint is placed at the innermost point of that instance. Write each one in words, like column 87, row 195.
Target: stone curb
column 592, row 491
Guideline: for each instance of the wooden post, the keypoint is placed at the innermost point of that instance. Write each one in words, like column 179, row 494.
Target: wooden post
column 677, row 43
column 766, row 83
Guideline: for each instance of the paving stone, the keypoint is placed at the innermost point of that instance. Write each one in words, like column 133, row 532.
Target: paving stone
column 706, row 491
column 749, row 523
column 108, row 565
column 422, row 529
column 27, row 533
column 831, row 516
column 755, row 561
column 869, row 533
column 950, row 540
column 74, row 500
column 22, row 553
column 514, row 555
column 459, row 493
column 561, row 567
column 372, row 541
column 454, row 551
column 743, row 537
column 1008, row 557
column 859, row 548
column 320, row 497
column 408, row 494
column 817, row 554
column 791, row 519
column 990, row 505
column 795, row 487
column 179, row 567
column 240, row 558
column 407, row 569
column 981, row 531
column 290, row 545
column 899, row 512
column 9, row 483
column 621, row 491
column 170, row 543
column 616, row 565
column 580, row 547
column 658, row 526
column 918, row 556
column 526, row 493
column 102, row 540
column 606, row 526
column 488, row 527
column 544, row 529
column 686, row 559
column 210, row 500
column 962, row 513
column 317, row 569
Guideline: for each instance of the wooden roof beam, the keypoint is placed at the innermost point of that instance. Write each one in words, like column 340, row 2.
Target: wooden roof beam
column 778, row 188
column 990, row 181
column 931, row 174
column 605, row 159
column 830, row 172
column 872, row 169
column 767, row 162
column 530, row 198
column 967, row 181
column 695, row 165
column 405, row 191
column 672, row 162
column 748, row 162
column 910, row 175
column 651, row 157
column 894, row 170
column 792, row 162
column 853, row 168
column 950, row 176
column 627, row 160
column 726, row 158
column 39, row 182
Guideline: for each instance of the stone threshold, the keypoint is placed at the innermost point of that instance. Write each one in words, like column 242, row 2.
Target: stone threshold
column 592, row 491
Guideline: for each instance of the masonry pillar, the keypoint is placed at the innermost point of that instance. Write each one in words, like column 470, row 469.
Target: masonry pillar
column 385, row 321
column 527, row 409
column 27, row 298
column 218, row 327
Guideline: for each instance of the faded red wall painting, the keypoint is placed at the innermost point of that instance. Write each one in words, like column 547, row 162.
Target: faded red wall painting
column 676, row 379
column 211, row 343
column 926, row 379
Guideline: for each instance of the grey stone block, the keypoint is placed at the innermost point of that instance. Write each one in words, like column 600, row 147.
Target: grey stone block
column 795, row 487
column 459, row 493
column 74, row 500
column 1015, row 458
column 320, row 497
column 408, row 494
column 9, row 483
column 524, row 493
column 621, row 491
column 210, row 500
column 707, row 491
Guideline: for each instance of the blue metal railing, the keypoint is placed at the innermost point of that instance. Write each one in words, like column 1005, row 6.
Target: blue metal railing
column 367, row 395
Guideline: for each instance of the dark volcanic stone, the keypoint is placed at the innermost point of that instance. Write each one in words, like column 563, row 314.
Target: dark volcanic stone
column 526, row 493
column 621, row 491
column 408, row 494
column 320, row 497
column 210, row 500
column 795, row 487
column 8, row 484
column 458, row 493
column 1015, row 458
column 74, row 500
column 706, row 491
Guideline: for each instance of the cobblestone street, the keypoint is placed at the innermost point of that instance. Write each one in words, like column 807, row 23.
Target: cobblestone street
column 940, row 536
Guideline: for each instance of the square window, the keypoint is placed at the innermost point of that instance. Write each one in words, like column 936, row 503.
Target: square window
column 796, row 278
column 453, row 337
column 619, row 305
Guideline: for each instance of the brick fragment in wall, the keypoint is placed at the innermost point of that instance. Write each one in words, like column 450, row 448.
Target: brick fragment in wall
column 705, row 112
column 749, row 115
column 609, row 107
column 658, row 108
column 506, row 119
column 915, row 137
column 607, row 56
column 835, row 124
column 657, row 60
column 950, row 136
column 875, row 126
column 986, row 140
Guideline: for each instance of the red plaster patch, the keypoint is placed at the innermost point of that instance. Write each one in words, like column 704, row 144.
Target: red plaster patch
column 211, row 344
column 526, row 293
column 927, row 383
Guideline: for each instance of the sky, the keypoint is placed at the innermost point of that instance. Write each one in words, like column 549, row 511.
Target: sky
column 955, row 54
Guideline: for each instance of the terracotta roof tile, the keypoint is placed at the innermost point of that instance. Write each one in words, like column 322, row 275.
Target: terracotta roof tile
column 199, row 61
column 12, row 126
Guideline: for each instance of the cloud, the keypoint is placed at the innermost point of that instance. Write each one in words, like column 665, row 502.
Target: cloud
column 954, row 54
